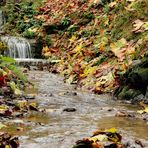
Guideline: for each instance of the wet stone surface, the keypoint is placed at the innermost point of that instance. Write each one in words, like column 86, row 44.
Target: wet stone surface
column 72, row 115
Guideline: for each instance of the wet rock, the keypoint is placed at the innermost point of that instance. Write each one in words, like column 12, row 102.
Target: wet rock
column 29, row 97
column 137, row 99
column 107, row 109
column 110, row 109
column 70, row 93
column 124, row 114
column 27, row 66
column 69, row 110
column 50, row 95
column 139, row 143
column 1, row 97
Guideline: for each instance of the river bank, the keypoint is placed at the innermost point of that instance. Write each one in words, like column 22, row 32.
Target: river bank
column 59, row 128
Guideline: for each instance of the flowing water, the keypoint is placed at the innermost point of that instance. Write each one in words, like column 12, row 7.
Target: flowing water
column 60, row 129
column 57, row 128
column 18, row 47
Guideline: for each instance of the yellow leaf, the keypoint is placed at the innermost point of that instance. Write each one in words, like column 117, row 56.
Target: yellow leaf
column 101, row 48
column 99, row 137
column 17, row 92
column 33, row 104
column 3, row 72
column 140, row 111
column 146, row 110
column 21, row 104
column 89, row 70
column 111, row 130
column 78, row 48
column 143, row 111
column 72, row 39
column 45, row 49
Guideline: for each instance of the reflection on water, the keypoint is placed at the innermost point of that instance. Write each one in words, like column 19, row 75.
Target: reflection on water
column 134, row 127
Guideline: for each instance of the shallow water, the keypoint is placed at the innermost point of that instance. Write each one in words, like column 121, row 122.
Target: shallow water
column 59, row 129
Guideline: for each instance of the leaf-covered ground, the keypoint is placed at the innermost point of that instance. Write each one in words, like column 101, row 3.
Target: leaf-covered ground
column 14, row 103
column 91, row 42
column 94, row 42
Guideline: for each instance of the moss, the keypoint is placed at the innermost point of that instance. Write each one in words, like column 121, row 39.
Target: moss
column 123, row 22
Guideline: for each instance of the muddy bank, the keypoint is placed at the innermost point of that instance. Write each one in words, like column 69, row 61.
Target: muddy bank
column 72, row 115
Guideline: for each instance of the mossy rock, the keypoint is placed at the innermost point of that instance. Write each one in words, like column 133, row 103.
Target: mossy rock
column 134, row 82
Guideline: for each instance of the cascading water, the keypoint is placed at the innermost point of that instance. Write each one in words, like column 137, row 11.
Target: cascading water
column 17, row 47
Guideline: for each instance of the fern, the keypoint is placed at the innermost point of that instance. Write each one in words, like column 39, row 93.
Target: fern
column 17, row 72
column 10, row 64
column 6, row 61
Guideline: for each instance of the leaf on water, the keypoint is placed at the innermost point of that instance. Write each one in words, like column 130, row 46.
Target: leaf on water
column 143, row 111
column 99, row 138
column 21, row 104
column 111, row 130
column 33, row 106
column 145, row 108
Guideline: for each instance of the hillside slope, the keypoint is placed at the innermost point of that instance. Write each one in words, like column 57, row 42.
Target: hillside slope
column 91, row 42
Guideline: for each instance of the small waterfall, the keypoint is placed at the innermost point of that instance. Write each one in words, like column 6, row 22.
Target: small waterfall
column 17, row 47
column 2, row 20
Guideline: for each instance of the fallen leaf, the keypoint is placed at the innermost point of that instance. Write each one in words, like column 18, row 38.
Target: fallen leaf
column 137, row 25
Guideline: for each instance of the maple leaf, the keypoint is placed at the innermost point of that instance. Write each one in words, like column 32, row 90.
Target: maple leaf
column 118, row 50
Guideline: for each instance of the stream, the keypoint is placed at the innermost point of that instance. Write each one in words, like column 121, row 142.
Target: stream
column 59, row 128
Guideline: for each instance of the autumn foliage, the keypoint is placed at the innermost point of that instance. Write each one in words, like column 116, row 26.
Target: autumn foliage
column 93, row 41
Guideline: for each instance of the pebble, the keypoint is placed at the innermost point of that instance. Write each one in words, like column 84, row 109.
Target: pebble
column 69, row 110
